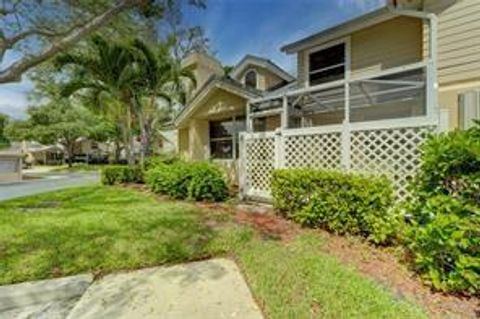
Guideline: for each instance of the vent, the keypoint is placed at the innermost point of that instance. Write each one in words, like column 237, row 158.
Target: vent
column 469, row 109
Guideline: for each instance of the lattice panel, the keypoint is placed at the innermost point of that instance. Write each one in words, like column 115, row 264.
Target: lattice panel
column 259, row 162
column 394, row 152
column 322, row 151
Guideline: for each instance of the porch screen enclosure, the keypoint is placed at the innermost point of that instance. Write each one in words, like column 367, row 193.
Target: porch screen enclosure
column 371, row 125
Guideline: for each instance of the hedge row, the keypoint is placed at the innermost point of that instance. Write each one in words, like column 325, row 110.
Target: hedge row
column 201, row 181
column 340, row 202
column 120, row 174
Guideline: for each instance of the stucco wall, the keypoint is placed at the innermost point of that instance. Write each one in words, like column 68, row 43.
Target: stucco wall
column 218, row 105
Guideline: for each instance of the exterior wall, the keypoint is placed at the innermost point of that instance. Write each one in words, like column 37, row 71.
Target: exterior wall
column 458, row 51
column 219, row 105
column 377, row 48
column 10, row 168
column 265, row 79
column 204, row 67
column 383, row 46
column 183, row 143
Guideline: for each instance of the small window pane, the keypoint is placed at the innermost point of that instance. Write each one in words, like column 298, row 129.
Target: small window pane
column 330, row 75
column 251, row 79
column 327, row 65
column 221, row 149
column 327, row 57
column 220, row 129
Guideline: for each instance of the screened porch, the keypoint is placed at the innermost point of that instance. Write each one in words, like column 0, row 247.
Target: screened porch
column 400, row 93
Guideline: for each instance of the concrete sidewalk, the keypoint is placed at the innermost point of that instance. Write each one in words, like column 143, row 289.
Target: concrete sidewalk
column 202, row 290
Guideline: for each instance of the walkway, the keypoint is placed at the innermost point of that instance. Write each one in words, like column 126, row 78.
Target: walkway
column 202, row 290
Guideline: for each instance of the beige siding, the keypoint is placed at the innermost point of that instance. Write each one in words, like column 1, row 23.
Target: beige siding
column 458, row 41
column 386, row 45
column 390, row 44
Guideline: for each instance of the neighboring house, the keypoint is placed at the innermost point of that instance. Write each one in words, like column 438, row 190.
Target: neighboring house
column 10, row 167
column 216, row 112
column 368, row 93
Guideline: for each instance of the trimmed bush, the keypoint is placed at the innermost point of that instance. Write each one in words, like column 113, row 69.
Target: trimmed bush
column 153, row 161
column 444, row 237
column 445, row 244
column 119, row 174
column 207, row 183
column 450, row 165
column 196, row 181
column 339, row 202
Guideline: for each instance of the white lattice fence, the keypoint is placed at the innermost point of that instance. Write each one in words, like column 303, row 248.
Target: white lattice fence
column 391, row 151
column 394, row 152
column 322, row 150
column 259, row 161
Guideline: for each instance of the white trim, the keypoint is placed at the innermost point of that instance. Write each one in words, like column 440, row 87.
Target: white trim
column 263, row 63
column 345, row 41
column 197, row 101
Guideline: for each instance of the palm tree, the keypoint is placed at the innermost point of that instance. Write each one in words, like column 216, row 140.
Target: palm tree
column 163, row 79
column 108, row 72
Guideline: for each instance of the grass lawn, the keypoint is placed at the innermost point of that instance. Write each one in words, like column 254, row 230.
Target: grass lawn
column 104, row 229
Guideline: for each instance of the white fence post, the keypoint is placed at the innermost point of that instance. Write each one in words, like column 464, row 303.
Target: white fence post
column 242, row 169
column 346, row 145
column 279, row 149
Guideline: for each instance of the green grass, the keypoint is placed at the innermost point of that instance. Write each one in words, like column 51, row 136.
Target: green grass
column 105, row 229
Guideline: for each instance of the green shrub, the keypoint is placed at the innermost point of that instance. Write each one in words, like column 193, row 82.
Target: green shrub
column 340, row 202
column 153, row 161
column 182, row 180
column 445, row 244
column 450, row 165
column 207, row 183
column 119, row 174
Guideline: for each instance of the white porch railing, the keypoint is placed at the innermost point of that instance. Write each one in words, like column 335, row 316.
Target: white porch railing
column 387, row 146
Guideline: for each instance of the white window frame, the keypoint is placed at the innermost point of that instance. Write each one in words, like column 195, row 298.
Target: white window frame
column 347, row 42
column 256, row 78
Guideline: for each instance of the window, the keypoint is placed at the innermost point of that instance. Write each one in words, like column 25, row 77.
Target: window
column 327, row 65
column 224, row 137
column 251, row 79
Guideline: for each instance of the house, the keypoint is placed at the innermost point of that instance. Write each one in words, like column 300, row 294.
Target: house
column 367, row 93
column 10, row 166
column 208, row 127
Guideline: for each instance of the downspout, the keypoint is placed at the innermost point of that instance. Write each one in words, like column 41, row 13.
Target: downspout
column 432, row 53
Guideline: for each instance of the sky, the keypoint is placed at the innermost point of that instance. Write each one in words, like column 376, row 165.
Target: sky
column 236, row 28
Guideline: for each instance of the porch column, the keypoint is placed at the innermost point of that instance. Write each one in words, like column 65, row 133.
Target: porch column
column 284, row 112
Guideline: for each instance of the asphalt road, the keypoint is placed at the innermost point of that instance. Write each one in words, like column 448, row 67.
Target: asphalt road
column 47, row 183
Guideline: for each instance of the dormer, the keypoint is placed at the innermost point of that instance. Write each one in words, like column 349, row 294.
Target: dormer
column 260, row 74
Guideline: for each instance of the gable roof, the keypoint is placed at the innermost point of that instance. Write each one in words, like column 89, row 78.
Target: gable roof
column 261, row 62
column 215, row 82
column 340, row 30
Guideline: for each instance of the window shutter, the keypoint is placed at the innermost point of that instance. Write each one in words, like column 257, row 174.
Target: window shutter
column 469, row 109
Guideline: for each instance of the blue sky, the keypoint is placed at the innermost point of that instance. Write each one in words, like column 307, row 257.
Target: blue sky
column 239, row 27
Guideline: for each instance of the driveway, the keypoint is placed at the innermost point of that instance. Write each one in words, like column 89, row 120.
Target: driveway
column 208, row 289
column 47, row 182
